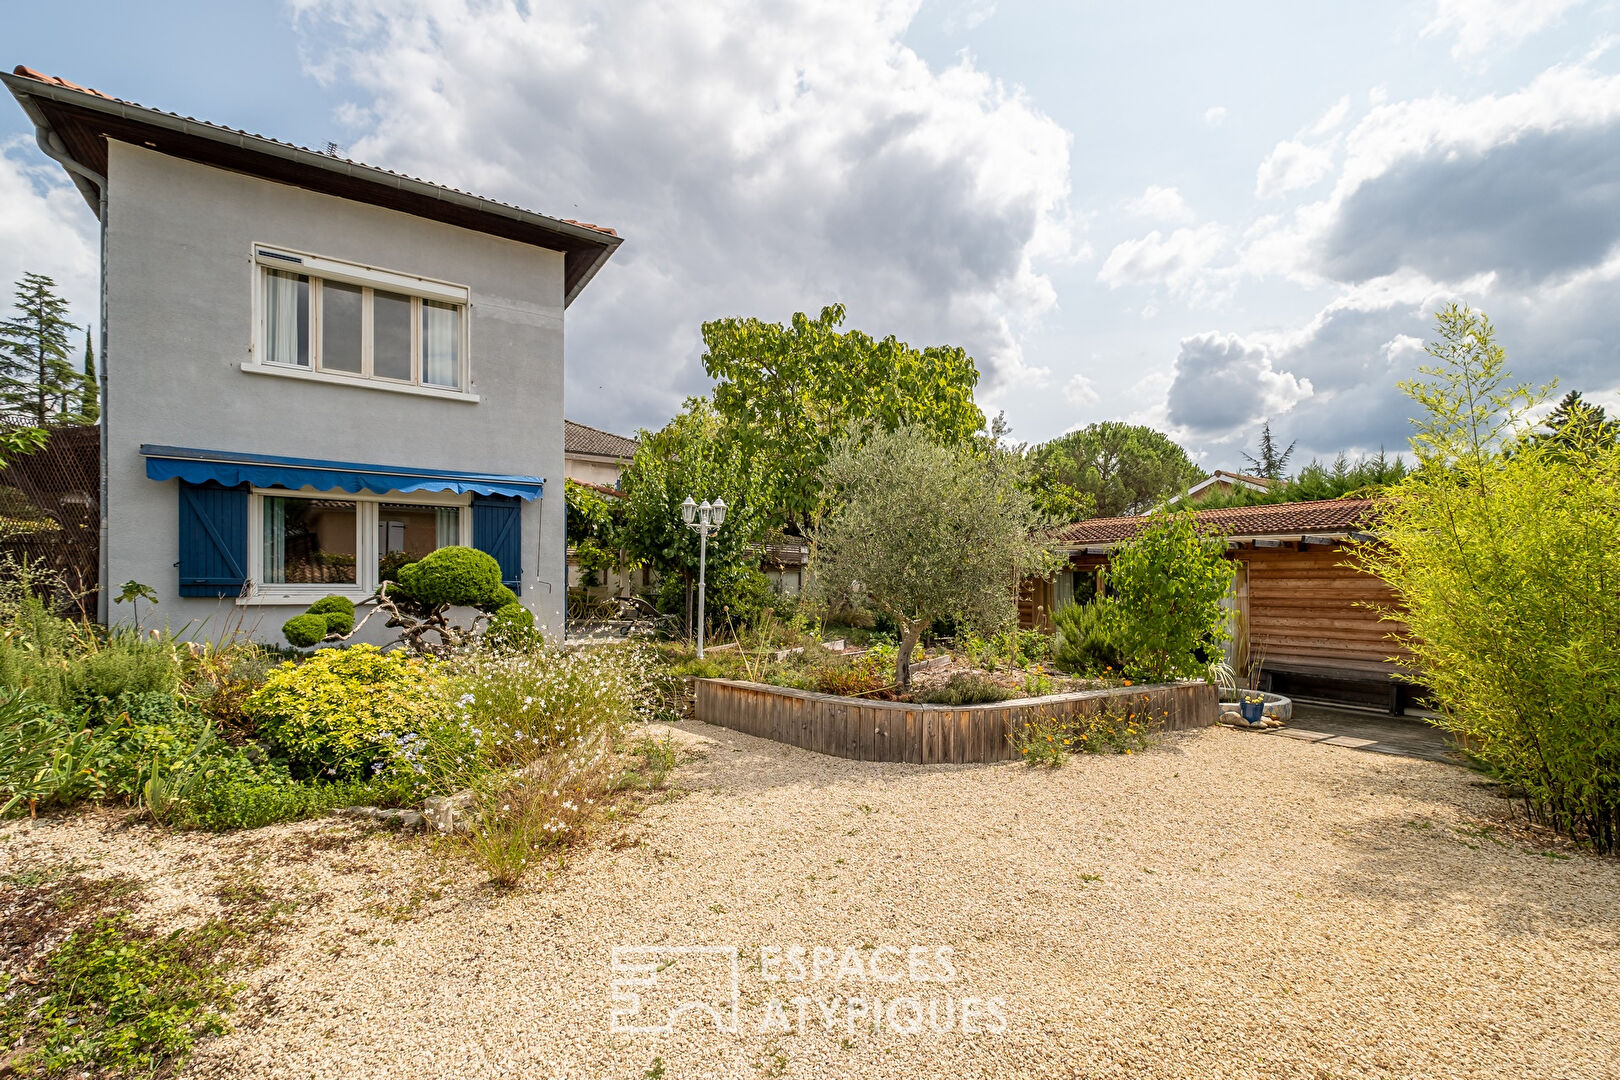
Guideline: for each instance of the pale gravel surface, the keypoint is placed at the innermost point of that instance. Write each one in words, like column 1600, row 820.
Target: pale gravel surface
column 1226, row 905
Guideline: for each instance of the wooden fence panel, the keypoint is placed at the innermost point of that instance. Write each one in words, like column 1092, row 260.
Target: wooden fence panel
column 930, row 734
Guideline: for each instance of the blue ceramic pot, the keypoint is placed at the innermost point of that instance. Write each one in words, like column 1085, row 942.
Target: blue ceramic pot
column 1253, row 711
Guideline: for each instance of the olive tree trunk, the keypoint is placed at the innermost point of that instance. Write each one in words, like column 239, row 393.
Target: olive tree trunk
column 910, row 631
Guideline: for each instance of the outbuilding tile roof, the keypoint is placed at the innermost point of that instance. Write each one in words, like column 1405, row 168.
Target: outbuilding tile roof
column 580, row 439
column 1298, row 518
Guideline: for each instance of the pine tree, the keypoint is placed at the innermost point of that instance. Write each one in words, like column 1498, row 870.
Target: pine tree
column 1575, row 420
column 1270, row 464
column 37, row 379
column 90, row 390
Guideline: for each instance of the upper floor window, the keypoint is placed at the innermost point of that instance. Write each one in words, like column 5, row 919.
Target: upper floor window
column 357, row 322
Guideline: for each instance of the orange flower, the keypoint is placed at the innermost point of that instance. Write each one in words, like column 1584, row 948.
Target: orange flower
column 1127, row 682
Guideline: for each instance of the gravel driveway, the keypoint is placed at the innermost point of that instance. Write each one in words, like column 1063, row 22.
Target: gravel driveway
column 1224, row 905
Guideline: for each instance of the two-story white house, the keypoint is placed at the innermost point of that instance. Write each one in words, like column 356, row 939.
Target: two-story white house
column 312, row 366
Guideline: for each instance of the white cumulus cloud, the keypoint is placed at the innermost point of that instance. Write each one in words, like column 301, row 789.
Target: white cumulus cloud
column 1175, row 260
column 758, row 159
column 1160, row 204
column 1080, row 391
column 1482, row 25
column 1290, row 166
column 47, row 228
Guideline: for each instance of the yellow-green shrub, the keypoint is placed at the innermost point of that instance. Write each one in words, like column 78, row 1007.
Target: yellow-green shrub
column 342, row 711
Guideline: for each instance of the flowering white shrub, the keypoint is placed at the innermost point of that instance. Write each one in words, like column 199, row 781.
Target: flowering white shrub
column 545, row 723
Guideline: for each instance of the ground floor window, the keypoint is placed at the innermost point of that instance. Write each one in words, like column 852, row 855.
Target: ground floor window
column 318, row 543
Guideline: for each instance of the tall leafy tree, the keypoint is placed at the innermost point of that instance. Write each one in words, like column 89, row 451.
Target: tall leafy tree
column 1270, row 462
column 90, row 388
column 922, row 532
column 1120, row 468
column 690, row 456
column 38, row 378
column 787, row 393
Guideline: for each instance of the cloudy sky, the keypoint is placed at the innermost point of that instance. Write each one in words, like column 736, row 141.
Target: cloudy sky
column 1192, row 215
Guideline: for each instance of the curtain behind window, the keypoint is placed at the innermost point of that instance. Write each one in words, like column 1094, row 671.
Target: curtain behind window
column 275, row 540
column 286, row 318
column 448, row 526
column 441, row 343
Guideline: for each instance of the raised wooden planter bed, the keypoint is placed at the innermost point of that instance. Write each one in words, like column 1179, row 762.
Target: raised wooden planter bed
column 929, row 734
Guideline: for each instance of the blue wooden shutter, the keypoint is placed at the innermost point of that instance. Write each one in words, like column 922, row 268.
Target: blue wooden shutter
column 213, row 539
column 498, row 531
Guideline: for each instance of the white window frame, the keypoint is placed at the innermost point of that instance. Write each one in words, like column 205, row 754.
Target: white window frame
column 370, row 279
column 367, row 517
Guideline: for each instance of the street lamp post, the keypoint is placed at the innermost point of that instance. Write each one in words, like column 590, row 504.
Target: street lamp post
column 705, row 518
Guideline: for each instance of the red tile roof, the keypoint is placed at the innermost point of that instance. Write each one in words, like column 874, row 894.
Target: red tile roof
column 1222, row 474
column 52, row 80
column 1297, row 518
column 581, row 439
column 40, row 76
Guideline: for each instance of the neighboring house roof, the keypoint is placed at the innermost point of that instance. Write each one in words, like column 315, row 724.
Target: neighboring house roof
column 584, row 441
column 76, row 122
column 1274, row 519
column 786, row 554
column 1253, row 483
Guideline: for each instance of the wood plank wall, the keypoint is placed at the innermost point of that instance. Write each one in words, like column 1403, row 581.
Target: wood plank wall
column 1307, row 609
column 928, row 734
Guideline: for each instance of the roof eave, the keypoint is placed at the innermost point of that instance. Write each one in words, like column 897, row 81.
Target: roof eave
column 24, row 88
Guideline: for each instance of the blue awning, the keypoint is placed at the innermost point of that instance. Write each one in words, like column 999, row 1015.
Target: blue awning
column 264, row 470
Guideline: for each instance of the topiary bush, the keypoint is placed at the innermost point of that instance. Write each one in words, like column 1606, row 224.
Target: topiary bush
column 305, row 631
column 512, row 627
column 456, row 577
column 344, row 710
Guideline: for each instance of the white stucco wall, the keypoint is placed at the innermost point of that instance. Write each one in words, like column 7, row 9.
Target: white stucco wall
column 179, row 324
column 593, row 471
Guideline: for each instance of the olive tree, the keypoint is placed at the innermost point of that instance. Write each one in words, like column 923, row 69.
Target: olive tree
column 922, row 531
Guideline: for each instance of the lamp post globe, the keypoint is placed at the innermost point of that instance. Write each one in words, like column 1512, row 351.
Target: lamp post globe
column 703, row 519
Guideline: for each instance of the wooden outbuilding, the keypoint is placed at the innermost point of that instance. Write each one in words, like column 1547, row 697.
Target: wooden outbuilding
column 1298, row 605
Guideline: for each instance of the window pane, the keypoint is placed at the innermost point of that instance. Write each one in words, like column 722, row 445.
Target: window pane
column 406, row 532
column 286, row 318
column 441, row 344
column 340, row 326
column 391, row 335
column 309, row 541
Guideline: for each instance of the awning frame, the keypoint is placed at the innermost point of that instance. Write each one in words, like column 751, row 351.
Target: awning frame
column 233, row 469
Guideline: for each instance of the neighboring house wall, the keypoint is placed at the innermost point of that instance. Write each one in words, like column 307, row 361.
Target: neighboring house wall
column 592, row 470
column 180, row 321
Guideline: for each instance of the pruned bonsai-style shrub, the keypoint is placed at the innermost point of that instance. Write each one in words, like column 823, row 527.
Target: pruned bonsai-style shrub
column 329, row 618
column 416, row 597
column 456, row 577
column 305, row 631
